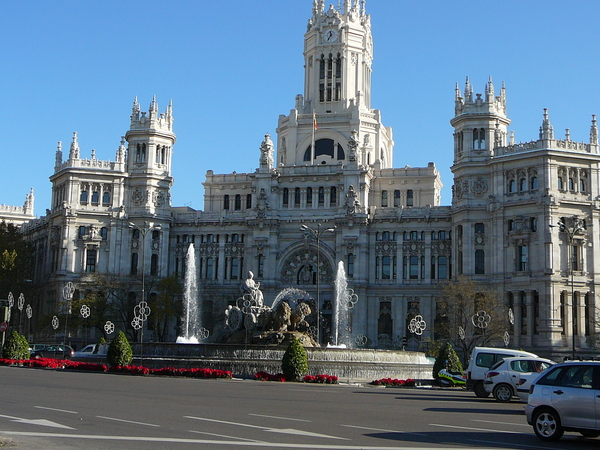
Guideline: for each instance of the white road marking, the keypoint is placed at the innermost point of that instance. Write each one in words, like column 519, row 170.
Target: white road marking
column 536, row 446
column 223, row 436
column 268, row 429
column 128, row 421
column 381, row 429
column 54, row 409
column 502, row 423
column 41, row 422
column 280, row 418
column 472, row 429
column 240, row 444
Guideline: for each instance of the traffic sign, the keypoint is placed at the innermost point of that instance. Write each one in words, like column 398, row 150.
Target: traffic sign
column 3, row 327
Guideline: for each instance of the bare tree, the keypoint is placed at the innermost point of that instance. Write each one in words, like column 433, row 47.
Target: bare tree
column 470, row 315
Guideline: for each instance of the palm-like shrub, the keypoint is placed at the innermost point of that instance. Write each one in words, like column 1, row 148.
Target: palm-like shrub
column 295, row 361
column 16, row 347
column 119, row 351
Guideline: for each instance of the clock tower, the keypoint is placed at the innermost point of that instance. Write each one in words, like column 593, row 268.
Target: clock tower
column 335, row 109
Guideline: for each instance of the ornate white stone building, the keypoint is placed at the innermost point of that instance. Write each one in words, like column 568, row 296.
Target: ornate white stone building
column 330, row 165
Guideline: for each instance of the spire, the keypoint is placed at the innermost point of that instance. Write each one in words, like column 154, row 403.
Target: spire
column 594, row 131
column 546, row 130
column 363, row 7
column 489, row 91
column 457, row 92
column 153, row 110
column 28, row 206
column 121, row 151
column 468, row 91
column 74, row 151
column 59, row 156
column 135, row 110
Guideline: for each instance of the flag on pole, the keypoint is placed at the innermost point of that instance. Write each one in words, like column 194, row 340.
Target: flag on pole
column 315, row 126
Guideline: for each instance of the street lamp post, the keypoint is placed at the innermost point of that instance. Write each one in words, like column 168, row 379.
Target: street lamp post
column 576, row 226
column 144, row 231
column 317, row 235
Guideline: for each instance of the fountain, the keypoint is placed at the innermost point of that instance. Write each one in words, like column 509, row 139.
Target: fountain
column 257, row 335
column 340, row 323
column 191, row 318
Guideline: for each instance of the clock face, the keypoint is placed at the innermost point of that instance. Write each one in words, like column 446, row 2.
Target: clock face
column 330, row 36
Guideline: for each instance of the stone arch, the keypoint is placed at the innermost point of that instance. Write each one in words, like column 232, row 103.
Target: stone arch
column 299, row 265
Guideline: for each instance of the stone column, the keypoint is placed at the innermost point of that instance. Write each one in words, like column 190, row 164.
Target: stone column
column 517, row 312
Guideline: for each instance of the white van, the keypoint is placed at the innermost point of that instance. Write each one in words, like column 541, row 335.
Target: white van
column 482, row 358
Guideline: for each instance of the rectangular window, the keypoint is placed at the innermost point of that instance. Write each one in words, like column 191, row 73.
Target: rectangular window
column 90, row 263
column 350, row 265
column 384, row 199
column 522, row 258
column 261, row 266
column 235, row 268
column 396, row 198
column 442, row 267
column 210, row 268
column 575, row 257
column 479, row 262
column 385, row 268
column 248, row 201
column 410, row 198
column 134, row 264
column 479, row 228
column 414, row 268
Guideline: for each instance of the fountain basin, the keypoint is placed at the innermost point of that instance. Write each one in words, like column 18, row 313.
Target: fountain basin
column 352, row 365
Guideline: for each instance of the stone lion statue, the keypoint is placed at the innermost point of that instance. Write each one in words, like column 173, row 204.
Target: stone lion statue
column 279, row 318
column 297, row 322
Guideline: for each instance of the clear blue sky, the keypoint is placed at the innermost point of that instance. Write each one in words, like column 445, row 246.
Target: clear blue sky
column 232, row 67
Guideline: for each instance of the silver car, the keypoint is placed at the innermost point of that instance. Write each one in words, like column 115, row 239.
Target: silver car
column 566, row 398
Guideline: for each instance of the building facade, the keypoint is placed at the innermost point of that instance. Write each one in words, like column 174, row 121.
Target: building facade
column 329, row 168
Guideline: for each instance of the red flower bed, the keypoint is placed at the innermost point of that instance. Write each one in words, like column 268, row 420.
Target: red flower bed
column 264, row 376
column 132, row 370
column 394, row 382
column 325, row 379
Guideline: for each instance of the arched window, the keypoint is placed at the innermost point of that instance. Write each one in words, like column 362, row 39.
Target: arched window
column 95, row 197
column 533, row 183
column 560, row 183
column 286, row 197
column 106, row 198
column 478, row 138
column 226, row 202
column 581, row 185
column 309, row 196
column 522, row 184
column 248, row 201
column 333, row 196
column 512, row 186
column 238, row 202
column 321, row 195
column 384, row 199
column 297, row 196
column 396, row 198
column 571, row 184
column 83, row 198
column 410, row 198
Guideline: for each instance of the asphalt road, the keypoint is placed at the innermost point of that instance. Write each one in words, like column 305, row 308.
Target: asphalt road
column 48, row 409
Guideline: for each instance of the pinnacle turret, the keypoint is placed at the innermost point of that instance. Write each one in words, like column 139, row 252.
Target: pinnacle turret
column 74, row 150
column 546, row 130
column 594, row 131
column 59, row 156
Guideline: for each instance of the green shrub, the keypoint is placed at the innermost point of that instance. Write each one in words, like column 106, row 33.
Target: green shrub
column 119, row 351
column 15, row 347
column 447, row 359
column 295, row 361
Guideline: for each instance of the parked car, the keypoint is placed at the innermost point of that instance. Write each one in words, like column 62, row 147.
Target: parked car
column 36, row 347
column 565, row 398
column 509, row 376
column 60, row 351
column 92, row 350
column 482, row 358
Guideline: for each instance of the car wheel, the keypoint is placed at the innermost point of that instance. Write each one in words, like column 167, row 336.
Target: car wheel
column 503, row 393
column 480, row 390
column 590, row 433
column 546, row 425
